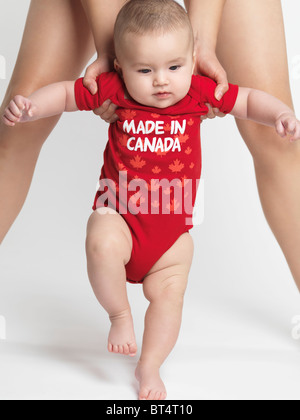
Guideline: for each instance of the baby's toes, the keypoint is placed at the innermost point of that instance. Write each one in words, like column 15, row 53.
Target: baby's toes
column 126, row 350
column 115, row 349
column 144, row 393
column 132, row 349
column 163, row 396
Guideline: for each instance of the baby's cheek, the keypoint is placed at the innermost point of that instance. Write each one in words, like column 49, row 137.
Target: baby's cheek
column 142, row 93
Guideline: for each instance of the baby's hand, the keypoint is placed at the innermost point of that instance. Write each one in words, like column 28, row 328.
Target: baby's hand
column 287, row 124
column 20, row 110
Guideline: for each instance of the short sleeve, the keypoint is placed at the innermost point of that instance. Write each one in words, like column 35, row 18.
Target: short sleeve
column 204, row 88
column 108, row 86
column 84, row 99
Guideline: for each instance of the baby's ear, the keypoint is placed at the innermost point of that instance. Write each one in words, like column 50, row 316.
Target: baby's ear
column 118, row 67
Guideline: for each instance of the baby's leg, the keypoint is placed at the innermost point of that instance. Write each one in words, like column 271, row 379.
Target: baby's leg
column 108, row 248
column 164, row 287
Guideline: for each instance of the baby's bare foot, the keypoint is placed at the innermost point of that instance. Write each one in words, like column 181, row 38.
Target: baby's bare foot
column 151, row 385
column 121, row 337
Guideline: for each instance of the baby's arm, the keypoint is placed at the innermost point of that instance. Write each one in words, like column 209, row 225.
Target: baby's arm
column 265, row 109
column 46, row 102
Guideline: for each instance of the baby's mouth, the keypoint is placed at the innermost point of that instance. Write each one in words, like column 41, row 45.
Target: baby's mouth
column 163, row 95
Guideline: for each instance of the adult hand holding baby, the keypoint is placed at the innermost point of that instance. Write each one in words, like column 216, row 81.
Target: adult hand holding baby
column 207, row 64
column 101, row 65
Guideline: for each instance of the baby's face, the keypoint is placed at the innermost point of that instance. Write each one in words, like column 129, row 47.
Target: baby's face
column 157, row 69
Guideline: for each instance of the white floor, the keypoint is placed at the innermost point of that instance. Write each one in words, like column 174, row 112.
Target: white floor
column 230, row 348
column 75, row 365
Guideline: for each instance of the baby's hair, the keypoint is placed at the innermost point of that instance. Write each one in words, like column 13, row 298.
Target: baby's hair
column 142, row 17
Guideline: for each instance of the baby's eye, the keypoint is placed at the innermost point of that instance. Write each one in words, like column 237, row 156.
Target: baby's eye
column 144, row 71
column 174, row 68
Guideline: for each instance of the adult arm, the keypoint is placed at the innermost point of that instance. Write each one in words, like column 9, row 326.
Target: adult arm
column 205, row 16
column 102, row 16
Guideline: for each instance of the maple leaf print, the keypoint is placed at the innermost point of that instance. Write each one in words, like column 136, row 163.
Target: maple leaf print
column 175, row 117
column 154, row 185
column 191, row 122
column 173, row 206
column 155, row 115
column 188, row 151
column 138, row 162
column 128, row 114
column 176, row 166
column 183, row 138
column 122, row 167
column 123, row 140
column 161, row 154
column 184, row 181
column 155, row 204
column 167, row 127
column 156, row 170
column 192, row 165
column 167, row 191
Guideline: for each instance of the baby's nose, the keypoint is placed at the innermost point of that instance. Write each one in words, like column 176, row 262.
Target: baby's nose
column 160, row 79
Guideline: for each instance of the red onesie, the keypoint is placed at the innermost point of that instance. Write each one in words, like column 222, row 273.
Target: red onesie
column 152, row 164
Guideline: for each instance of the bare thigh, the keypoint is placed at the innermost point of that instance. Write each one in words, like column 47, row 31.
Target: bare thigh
column 56, row 46
column 109, row 232
column 57, row 43
column 171, row 270
column 252, row 49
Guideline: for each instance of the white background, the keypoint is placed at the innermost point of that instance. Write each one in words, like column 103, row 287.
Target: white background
column 236, row 340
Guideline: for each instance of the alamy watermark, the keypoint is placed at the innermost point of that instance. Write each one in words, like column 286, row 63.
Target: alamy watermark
column 295, row 70
column 2, row 68
column 2, row 328
column 296, row 328
column 158, row 196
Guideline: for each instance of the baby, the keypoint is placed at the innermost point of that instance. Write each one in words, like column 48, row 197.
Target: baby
column 139, row 231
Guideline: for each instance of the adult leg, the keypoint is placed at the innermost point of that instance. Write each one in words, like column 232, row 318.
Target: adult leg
column 164, row 287
column 252, row 49
column 56, row 45
column 109, row 248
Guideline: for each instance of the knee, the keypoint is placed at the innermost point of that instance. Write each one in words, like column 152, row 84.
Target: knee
column 105, row 246
column 171, row 290
column 268, row 149
column 174, row 291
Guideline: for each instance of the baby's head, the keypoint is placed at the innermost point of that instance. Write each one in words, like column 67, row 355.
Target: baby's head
column 155, row 51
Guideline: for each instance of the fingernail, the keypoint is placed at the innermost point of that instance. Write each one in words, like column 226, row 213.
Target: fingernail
column 219, row 95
